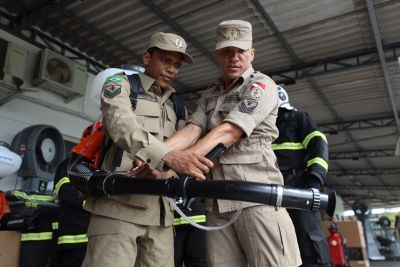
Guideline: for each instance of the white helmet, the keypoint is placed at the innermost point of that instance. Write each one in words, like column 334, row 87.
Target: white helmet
column 99, row 80
column 283, row 98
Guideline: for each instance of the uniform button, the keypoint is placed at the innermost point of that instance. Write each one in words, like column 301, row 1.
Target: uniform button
column 148, row 160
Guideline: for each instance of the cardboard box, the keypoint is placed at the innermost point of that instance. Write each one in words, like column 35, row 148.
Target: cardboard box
column 353, row 232
column 10, row 243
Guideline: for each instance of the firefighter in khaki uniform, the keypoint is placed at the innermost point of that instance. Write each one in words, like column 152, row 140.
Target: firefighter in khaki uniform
column 135, row 230
column 240, row 111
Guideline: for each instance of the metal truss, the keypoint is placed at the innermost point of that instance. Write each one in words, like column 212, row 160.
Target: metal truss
column 371, row 172
column 334, row 128
column 355, row 155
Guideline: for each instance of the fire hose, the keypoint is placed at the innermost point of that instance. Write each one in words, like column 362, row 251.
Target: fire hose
column 99, row 183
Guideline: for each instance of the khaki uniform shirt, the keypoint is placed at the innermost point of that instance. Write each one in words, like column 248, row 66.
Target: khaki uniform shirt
column 140, row 133
column 251, row 104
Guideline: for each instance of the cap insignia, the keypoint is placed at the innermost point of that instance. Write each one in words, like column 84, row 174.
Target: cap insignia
column 178, row 43
column 231, row 33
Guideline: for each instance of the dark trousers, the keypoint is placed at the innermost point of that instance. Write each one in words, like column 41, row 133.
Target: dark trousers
column 189, row 246
column 71, row 257
column 313, row 244
column 35, row 253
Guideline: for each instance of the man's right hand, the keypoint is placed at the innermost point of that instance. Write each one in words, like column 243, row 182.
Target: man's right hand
column 188, row 163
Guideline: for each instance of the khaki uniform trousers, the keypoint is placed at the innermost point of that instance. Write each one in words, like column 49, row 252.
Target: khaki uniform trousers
column 261, row 237
column 114, row 243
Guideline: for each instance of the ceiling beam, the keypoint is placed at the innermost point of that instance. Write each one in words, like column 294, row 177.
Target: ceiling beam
column 344, row 62
column 31, row 35
column 356, row 155
column 348, row 61
column 378, row 42
column 294, row 56
column 371, row 172
column 92, row 29
column 373, row 123
column 40, row 13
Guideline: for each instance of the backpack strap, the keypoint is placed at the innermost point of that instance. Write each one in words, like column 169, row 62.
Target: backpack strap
column 136, row 89
column 179, row 106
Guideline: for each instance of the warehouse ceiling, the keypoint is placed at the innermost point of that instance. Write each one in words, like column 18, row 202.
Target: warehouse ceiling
column 337, row 60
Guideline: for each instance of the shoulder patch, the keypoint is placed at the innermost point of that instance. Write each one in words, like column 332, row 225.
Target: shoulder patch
column 115, row 79
column 248, row 105
column 256, row 90
column 110, row 91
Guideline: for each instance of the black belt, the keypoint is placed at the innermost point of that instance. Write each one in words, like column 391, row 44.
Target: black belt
column 296, row 172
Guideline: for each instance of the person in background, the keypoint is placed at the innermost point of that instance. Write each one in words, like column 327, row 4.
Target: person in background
column 302, row 152
column 190, row 242
column 73, row 220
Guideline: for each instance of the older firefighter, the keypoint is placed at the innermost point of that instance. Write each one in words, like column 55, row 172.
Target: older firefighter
column 302, row 152
column 239, row 110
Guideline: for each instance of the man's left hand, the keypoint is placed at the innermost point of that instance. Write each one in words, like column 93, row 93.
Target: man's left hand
column 312, row 181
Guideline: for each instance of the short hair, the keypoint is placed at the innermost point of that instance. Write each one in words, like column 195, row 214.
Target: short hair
column 152, row 50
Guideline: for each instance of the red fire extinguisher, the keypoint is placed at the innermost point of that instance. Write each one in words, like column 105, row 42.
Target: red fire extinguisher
column 337, row 247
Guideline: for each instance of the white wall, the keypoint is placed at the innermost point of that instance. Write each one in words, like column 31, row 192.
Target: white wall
column 39, row 106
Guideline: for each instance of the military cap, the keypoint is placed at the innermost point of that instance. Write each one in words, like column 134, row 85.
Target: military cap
column 236, row 33
column 170, row 42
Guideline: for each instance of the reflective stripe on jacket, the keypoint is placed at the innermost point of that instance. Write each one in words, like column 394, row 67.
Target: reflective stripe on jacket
column 301, row 145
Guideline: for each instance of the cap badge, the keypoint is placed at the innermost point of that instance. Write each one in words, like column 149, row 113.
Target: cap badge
column 231, row 33
column 178, row 43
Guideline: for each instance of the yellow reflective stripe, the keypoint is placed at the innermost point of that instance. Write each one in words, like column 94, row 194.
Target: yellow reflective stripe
column 72, row 239
column 288, row 146
column 196, row 219
column 36, row 236
column 310, row 136
column 41, row 198
column 83, row 203
column 319, row 161
column 54, row 225
column 20, row 194
column 60, row 183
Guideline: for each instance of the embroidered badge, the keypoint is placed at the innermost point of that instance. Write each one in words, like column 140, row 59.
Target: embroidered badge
column 257, row 90
column 114, row 79
column 248, row 105
column 178, row 43
column 110, row 91
column 258, row 84
column 231, row 33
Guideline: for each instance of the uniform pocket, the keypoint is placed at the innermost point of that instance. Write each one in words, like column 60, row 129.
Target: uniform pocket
column 240, row 167
column 320, row 251
column 100, row 225
column 152, row 125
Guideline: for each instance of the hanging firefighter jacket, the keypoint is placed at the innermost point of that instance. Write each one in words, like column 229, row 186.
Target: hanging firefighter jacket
column 301, row 148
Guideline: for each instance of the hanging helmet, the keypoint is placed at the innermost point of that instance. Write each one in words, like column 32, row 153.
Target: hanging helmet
column 283, row 98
